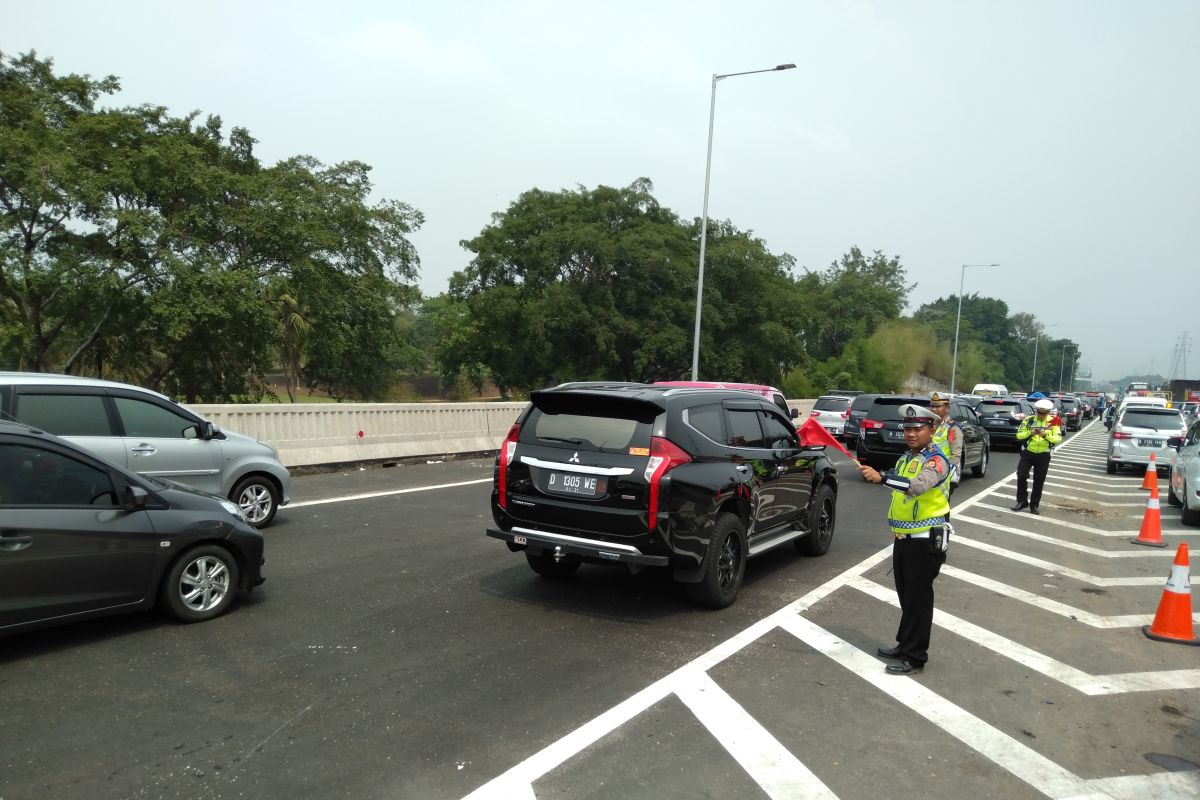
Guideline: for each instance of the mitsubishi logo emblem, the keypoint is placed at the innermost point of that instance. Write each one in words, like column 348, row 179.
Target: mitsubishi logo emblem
column 575, row 458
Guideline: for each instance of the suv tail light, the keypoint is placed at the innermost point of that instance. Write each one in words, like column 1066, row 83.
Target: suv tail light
column 814, row 413
column 507, row 451
column 1122, row 435
column 846, row 414
column 872, row 424
column 665, row 455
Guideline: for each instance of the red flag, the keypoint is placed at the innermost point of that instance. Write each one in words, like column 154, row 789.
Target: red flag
column 813, row 433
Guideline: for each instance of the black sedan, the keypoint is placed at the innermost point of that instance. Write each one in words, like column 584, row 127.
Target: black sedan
column 80, row 538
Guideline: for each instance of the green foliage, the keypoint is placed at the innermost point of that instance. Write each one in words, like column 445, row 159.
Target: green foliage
column 138, row 245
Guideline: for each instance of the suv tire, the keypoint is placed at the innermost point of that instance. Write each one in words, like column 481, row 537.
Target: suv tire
column 724, row 565
column 545, row 565
column 980, row 469
column 1111, row 467
column 822, row 514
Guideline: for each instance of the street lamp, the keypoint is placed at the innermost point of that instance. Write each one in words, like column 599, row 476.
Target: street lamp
column 1036, row 340
column 1062, row 361
column 712, row 109
column 962, row 277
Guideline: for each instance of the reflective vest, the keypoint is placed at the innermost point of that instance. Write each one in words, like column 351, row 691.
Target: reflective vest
column 1034, row 444
column 907, row 515
column 941, row 437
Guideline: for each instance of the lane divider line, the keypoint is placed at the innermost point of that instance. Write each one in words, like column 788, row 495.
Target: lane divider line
column 386, row 493
column 1066, row 572
column 1069, row 545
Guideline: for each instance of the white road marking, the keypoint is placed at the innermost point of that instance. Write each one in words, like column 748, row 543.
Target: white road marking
column 1052, row 606
column 1158, row 786
column 1061, row 496
column 1075, row 526
column 1066, row 572
column 1066, row 543
column 1025, row 763
column 772, row 766
column 1052, row 668
column 387, row 493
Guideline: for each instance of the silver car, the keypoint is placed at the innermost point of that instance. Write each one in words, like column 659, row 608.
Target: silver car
column 1139, row 431
column 149, row 433
column 832, row 411
column 1183, row 490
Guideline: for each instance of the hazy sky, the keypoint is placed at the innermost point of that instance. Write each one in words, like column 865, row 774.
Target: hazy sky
column 1060, row 139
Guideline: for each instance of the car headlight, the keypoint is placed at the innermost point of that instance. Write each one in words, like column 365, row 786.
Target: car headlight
column 233, row 509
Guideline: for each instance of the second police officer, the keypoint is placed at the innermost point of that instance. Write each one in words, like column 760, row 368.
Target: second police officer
column 1038, row 435
column 917, row 516
column 948, row 436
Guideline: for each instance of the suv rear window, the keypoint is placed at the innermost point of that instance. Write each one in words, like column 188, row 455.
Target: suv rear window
column 862, row 403
column 831, row 404
column 587, row 424
column 1166, row 420
column 998, row 407
column 888, row 408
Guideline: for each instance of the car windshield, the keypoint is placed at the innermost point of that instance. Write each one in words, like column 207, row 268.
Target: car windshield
column 1165, row 420
column 1067, row 403
column 862, row 403
column 831, row 404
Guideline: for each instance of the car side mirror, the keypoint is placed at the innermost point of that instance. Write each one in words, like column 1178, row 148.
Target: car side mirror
column 794, row 413
column 134, row 498
column 207, row 430
column 1175, row 441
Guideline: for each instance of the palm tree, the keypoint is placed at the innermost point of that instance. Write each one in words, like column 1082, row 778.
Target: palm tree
column 292, row 329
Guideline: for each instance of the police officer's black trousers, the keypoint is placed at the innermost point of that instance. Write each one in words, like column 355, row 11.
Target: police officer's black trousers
column 1040, row 462
column 914, row 569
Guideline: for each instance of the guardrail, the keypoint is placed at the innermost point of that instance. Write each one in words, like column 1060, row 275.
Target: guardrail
column 314, row 434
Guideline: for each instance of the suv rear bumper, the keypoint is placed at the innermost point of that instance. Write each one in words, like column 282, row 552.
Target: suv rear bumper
column 606, row 552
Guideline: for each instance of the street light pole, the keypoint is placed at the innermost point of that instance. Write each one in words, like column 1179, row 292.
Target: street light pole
column 1033, row 378
column 712, row 110
column 1061, row 362
column 958, row 321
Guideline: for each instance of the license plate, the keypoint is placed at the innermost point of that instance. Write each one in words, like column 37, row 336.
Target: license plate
column 519, row 539
column 573, row 483
column 1149, row 443
column 894, row 436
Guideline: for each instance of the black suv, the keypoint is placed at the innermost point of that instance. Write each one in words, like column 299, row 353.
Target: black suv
column 697, row 480
column 859, row 407
column 881, row 439
column 1002, row 416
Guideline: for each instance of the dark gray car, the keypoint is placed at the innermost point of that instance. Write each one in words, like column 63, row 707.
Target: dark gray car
column 80, row 537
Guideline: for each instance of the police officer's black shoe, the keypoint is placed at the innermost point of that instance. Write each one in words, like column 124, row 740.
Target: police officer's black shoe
column 889, row 652
column 903, row 667
column 1034, row 510
column 1020, row 506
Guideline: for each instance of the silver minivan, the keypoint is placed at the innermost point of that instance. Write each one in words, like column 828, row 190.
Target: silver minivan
column 1140, row 431
column 149, row 433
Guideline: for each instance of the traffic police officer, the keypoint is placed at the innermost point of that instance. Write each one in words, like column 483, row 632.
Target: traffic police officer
column 920, row 484
column 948, row 436
column 1038, row 434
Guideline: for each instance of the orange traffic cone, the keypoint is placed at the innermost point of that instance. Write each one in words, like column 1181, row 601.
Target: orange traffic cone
column 1151, row 532
column 1173, row 622
column 1151, row 476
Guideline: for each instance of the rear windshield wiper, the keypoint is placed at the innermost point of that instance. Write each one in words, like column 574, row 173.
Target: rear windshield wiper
column 561, row 439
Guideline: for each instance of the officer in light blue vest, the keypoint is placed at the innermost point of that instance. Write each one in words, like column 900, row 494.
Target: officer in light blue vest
column 918, row 517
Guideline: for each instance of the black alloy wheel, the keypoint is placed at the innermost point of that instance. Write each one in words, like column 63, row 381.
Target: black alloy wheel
column 724, row 565
column 822, row 516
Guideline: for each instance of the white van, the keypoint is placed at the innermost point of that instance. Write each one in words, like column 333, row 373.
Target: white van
column 990, row 390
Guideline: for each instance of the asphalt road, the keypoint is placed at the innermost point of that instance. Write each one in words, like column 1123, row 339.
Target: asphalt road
column 397, row 652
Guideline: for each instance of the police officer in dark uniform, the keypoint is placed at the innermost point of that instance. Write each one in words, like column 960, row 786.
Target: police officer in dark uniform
column 918, row 517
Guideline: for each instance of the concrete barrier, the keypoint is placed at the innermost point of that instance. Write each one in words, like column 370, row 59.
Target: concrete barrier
column 315, row 434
